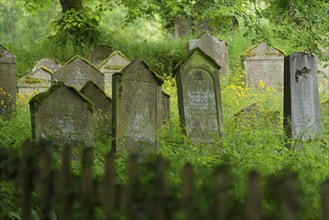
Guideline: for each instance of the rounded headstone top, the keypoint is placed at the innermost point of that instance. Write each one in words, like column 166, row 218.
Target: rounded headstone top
column 48, row 63
column 99, row 53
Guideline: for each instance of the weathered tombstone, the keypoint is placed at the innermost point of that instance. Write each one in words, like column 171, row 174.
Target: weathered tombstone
column 102, row 106
column 99, row 53
column 113, row 63
column 63, row 115
column 50, row 64
column 36, row 82
column 77, row 72
column 265, row 63
column 256, row 117
column 199, row 97
column 136, row 107
column 7, row 83
column 302, row 116
column 214, row 48
column 165, row 106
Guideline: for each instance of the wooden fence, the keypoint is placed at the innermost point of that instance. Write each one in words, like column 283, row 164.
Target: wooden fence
column 60, row 190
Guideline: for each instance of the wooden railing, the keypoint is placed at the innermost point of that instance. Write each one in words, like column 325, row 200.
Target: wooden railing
column 61, row 192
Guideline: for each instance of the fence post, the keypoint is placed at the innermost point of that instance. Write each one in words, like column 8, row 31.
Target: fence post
column 109, row 186
column 187, row 191
column 325, row 200
column 87, row 184
column 45, row 180
column 26, row 170
column 222, row 181
column 289, row 196
column 253, row 197
column 133, row 187
column 160, row 211
column 65, row 199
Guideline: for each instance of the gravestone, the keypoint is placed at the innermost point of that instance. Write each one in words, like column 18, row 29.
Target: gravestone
column 214, row 48
column 50, row 64
column 36, row 82
column 7, row 83
column 199, row 97
column 265, row 63
column 256, row 117
column 77, row 72
column 99, row 53
column 302, row 116
column 114, row 63
column 165, row 106
column 63, row 115
column 102, row 106
column 136, row 107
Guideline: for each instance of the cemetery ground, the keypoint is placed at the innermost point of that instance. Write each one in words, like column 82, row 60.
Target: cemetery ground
column 245, row 146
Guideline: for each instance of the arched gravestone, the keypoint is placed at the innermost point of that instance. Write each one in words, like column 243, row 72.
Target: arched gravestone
column 136, row 107
column 112, row 64
column 50, row 64
column 77, row 72
column 99, row 53
column 63, row 115
column 265, row 63
column 36, row 82
column 102, row 106
column 7, row 83
column 302, row 116
column 199, row 97
column 214, row 48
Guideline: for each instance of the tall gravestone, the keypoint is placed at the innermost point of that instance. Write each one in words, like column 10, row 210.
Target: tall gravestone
column 165, row 106
column 63, row 115
column 77, row 72
column 99, row 53
column 199, row 97
column 102, row 106
column 302, row 116
column 7, row 83
column 136, row 107
column 50, row 64
column 214, row 48
column 112, row 64
column 265, row 63
column 36, row 82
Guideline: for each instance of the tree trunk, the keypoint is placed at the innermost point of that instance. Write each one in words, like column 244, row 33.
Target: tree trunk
column 71, row 4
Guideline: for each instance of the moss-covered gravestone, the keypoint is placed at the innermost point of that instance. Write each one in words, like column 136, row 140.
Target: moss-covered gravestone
column 99, row 53
column 265, row 63
column 63, row 115
column 112, row 64
column 302, row 116
column 214, row 48
column 77, row 72
column 36, row 82
column 7, row 83
column 102, row 106
column 50, row 64
column 199, row 97
column 165, row 106
column 256, row 117
column 136, row 107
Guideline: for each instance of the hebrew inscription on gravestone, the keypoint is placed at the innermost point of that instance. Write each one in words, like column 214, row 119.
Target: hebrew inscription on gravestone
column 77, row 72
column 62, row 115
column 7, row 83
column 136, row 107
column 302, row 116
column 36, row 82
column 199, row 97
